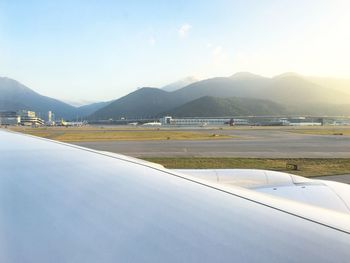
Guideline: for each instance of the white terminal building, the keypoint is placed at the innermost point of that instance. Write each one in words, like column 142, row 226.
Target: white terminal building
column 29, row 118
column 197, row 121
column 22, row 117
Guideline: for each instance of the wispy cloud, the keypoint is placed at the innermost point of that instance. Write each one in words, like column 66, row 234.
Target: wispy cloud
column 183, row 30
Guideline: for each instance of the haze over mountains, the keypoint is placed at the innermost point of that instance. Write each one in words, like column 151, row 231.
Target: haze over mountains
column 180, row 83
column 213, row 106
column 284, row 94
column 240, row 94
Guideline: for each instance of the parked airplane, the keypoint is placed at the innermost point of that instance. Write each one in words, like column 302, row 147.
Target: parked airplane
column 64, row 203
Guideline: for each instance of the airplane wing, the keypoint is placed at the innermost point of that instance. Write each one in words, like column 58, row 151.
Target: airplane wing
column 64, row 203
column 321, row 193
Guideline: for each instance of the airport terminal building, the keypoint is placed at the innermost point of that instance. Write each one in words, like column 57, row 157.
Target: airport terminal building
column 29, row 118
column 22, row 117
column 255, row 121
column 197, row 121
column 9, row 118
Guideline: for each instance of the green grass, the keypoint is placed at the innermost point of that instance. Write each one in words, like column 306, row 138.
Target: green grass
column 307, row 167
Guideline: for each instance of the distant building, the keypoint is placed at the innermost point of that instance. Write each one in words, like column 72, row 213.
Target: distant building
column 9, row 118
column 305, row 121
column 28, row 118
column 49, row 116
column 50, row 121
column 239, row 122
column 168, row 120
column 305, row 124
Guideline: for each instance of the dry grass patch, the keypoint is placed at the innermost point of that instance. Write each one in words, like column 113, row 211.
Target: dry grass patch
column 325, row 130
column 306, row 167
column 85, row 134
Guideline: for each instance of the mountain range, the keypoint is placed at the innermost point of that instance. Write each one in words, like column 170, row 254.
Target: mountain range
column 180, row 83
column 240, row 94
column 212, row 106
column 16, row 96
column 288, row 93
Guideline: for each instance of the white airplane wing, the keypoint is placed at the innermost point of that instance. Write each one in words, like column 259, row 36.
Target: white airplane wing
column 63, row 203
column 321, row 193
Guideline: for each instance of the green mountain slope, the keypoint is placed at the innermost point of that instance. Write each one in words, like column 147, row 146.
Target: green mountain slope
column 296, row 93
column 289, row 89
column 142, row 103
column 89, row 109
column 214, row 107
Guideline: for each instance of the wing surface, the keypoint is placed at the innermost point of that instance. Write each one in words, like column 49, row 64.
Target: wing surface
column 61, row 203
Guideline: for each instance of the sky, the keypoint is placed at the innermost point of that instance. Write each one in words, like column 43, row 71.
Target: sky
column 85, row 51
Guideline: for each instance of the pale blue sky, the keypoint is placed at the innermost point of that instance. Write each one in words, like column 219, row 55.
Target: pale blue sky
column 101, row 50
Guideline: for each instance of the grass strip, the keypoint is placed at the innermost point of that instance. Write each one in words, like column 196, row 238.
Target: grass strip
column 307, row 167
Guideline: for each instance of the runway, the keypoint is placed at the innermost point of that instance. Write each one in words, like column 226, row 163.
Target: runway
column 343, row 178
column 255, row 143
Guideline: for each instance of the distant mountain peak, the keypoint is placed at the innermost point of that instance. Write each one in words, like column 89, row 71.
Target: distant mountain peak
column 288, row 74
column 245, row 75
column 11, row 85
column 180, row 83
column 190, row 78
column 16, row 96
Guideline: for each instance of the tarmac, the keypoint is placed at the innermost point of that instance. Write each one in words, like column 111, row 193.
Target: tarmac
column 255, row 143
column 342, row 178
